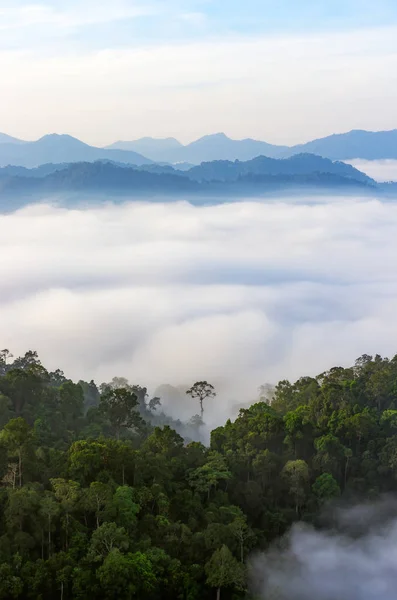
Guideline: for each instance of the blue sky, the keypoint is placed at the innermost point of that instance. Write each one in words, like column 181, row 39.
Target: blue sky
column 105, row 70
column 100, row 24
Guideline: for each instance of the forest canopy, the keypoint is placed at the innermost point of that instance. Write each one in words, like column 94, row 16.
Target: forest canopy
column 104, row 496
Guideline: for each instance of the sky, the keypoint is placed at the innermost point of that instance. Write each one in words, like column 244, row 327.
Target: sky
column 238, row 294
column 284, row 72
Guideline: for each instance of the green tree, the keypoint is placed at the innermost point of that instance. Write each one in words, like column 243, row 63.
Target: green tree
column 296, row 475
column 325, row 487
column 105, row 539
column 97, row 499
column 224, row 571
column 126, row 576
column 16, row 436
column 242, row 533
column 205, row 478
column 120, row 407
column 67, row 494
column 49, row 509
column 11, row 586
column 6, row 412
column 125, row 507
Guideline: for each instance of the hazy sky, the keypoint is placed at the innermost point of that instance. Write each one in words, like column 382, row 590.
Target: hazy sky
column 284, row 71
column 238, row 294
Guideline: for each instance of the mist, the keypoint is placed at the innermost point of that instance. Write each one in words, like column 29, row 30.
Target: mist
column 355, row 559
column 238, row 294
column 380, row 170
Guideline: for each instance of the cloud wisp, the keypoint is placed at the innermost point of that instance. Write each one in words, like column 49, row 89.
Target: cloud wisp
column 238, row 294
column 77, row 14
column 355, row 559
column 380, row 170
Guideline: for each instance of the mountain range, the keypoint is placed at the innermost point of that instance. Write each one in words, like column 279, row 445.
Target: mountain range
column 78, row 182
column 220, row 171
column 299, row 164
column 55, row 148
column 60, row 149
column 345, row 146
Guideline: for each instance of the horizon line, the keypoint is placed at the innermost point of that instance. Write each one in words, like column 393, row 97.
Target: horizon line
column 170, row 137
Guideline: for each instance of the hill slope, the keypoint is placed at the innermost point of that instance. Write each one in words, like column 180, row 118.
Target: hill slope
column 157, row 149
column 8, row 139
column 371, row 145
column 210, row 147
column 104, row 179
column 345, row 146
column 61, row 149
column 301, row 164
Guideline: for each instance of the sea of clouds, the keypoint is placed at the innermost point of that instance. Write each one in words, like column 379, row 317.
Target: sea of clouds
column 239, row 294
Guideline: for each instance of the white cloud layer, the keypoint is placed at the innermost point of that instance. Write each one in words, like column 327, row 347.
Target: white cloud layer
column 238, row 294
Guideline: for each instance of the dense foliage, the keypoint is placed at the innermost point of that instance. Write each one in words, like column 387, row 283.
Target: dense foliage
column 99, row 502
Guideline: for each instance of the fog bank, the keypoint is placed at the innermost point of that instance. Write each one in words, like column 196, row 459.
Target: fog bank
column 356, row 559
column 239, row 294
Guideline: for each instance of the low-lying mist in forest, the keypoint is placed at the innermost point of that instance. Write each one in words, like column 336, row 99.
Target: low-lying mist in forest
column 355, row 559
column 239, row 294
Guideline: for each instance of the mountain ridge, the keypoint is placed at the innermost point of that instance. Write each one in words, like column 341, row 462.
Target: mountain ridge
column 370, row 145
column 62, row 148
column 9, row 139
column 216, row 171
column 299, row 164
column 355, row 144
column 101, row 180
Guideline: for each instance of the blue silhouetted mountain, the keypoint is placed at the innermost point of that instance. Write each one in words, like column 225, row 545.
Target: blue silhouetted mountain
column 8, row 139
column 98, row 177
column 41, row 171
column 62, row 149
column 103, row 179
column 157, row 148
column 210, row 147
column 301, row 164
column 66, row 149
column 221, row 171
column 345, row 146
column 370, row 145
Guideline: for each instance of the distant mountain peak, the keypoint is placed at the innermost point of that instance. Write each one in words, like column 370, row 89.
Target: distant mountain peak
column 214, row 136
column 62, row 140
column 62, row 148
column 58, row 136
column 55, row 135
column 357, row 143
column 156, row 148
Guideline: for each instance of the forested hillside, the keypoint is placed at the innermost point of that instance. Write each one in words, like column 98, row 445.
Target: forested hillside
column 101, row 498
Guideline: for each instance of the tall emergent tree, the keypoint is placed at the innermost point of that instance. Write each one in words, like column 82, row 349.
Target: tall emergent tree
column 201, row 390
